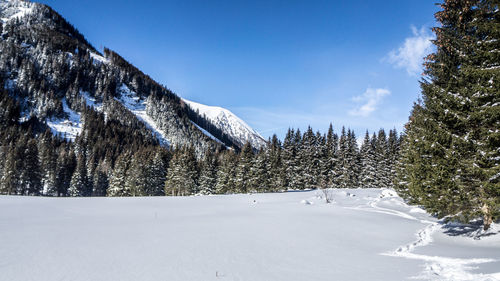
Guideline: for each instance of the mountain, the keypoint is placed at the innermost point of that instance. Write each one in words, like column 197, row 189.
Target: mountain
column 56, row 76
column 229, row 123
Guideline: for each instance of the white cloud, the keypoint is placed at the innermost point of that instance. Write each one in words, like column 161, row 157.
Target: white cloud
column 411, row 53
column 370, row 99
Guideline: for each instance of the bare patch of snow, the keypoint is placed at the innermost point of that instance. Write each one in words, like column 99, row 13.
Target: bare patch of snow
column 68, row 128
column 98, row 58
column 137, row 106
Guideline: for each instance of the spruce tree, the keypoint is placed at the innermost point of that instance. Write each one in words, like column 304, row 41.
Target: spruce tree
column 245, row 161
column 31, row 175
column 449, row 161
column 383, row 171
column 275, row 165
column 79, row 185
column 332, row 160
column 208, row 173
column 119, row 176
column 259, row 172
column 368, row 163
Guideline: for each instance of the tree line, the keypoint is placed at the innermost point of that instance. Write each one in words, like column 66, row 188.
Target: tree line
column 112, row 158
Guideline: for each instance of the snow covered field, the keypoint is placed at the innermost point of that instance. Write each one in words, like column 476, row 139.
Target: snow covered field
column 364, row 235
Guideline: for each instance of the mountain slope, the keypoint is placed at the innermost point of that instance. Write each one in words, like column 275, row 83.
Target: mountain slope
column 54, row 74
column 229, row 123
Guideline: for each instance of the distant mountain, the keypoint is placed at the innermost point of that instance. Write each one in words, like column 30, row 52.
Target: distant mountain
column 229, row 123
column 54, row 74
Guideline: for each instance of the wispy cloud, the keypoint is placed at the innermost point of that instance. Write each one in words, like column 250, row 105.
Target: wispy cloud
column 411, row 53
column 369, row 100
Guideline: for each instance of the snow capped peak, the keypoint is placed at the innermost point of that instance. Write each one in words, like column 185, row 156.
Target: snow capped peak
column 229, row 123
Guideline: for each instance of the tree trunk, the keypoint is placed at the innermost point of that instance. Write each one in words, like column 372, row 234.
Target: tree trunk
column 487, row 217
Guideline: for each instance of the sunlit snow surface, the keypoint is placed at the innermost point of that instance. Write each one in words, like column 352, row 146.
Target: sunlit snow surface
column 68, row 127
column 364, row 235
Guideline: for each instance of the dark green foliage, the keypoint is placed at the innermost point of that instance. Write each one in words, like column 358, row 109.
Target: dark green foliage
column 450, row 154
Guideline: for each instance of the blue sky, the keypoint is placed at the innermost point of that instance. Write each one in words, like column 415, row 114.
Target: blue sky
column 276, row 64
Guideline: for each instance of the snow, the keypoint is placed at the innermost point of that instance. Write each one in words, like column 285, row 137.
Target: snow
column 275, row 236
column 98, row 58
column 13, row 9
column 92, row 101
column 138, row 107
column 68, row 127
column 229, row 123
column 207, row 133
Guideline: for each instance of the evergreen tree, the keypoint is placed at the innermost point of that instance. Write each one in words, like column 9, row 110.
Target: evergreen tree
column 288, row 162
column 383, row 171
column 11, row 174
column 308, row 162
column 259, row 172
column 31, row 175
column 242, row 176
column 368, row 176
column 182, row 176
column 101, row 179
column 157, row 171
column 226, row 173
column 208, row 173
column 296, row 178
column 450, row 160
column 277, row 178
column 332, row 160
column 79, row 185
column 119, row 176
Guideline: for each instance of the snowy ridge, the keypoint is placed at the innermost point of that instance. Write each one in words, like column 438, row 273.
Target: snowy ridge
column 12, row 9
column 229, row 123
column 137, row 106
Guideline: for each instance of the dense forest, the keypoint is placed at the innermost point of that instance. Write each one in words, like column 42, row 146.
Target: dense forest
column 112, row 159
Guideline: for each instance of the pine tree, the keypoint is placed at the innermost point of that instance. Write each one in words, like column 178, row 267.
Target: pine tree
column 208, row 173
column 295, row 171
column 242, row 176
column 259, row 172
column 368, row 174
column 275, row 165
column 119, row 176
column 308, row 162
column 31, row 175
column 332, row 160
column 79, row 185
column 66, row 165
column 383, row 170
column 182, row 176
column 450, row 151
column 157, row 171
column 11, row 174
column 101, row 179
column 289, row 152
column 226, row 173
